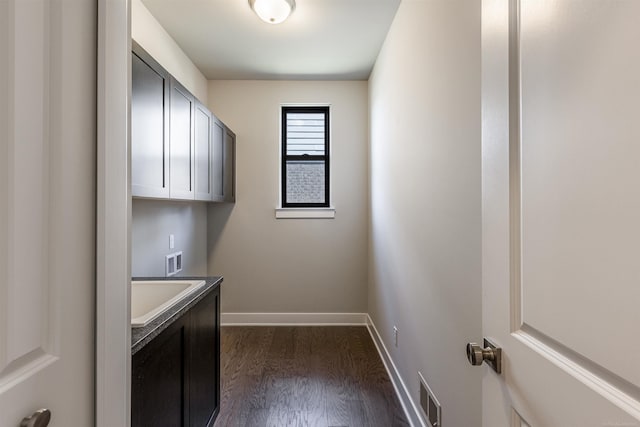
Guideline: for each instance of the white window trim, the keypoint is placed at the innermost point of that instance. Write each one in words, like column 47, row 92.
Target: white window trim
column 300, row 213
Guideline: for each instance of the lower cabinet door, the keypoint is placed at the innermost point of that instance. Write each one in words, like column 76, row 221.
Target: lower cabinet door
column 204, row 384
column 160, row 380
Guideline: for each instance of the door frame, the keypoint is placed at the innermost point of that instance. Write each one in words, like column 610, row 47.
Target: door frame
column 113, row 216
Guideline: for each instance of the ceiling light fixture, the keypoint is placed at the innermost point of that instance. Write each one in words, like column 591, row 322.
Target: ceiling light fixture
column 273, row 11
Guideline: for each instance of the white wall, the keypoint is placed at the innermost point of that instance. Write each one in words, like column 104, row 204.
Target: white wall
column 148, row 32
column 291, row 265
column 153, row 221
column 425, row 235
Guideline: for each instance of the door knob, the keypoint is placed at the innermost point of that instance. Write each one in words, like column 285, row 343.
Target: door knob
column 40, row 418
column 491, row 354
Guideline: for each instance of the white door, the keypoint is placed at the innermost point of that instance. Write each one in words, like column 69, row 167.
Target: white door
column 561, row 211
column 47, row 209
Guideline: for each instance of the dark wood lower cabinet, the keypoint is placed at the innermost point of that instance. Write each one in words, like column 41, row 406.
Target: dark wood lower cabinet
column 204, row 382
column 176, row 376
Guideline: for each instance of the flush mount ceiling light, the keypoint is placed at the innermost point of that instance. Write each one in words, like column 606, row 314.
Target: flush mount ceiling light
column 273, row 11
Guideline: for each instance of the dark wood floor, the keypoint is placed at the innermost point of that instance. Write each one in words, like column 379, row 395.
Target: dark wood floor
column 305, row 376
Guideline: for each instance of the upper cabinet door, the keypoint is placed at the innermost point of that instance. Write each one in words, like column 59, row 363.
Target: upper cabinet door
column 217, row 168
column 182, row 150
column 203, row 152
column 229, row 165
column 149, row 126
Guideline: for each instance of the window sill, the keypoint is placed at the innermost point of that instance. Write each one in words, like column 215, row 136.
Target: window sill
column 292, row 213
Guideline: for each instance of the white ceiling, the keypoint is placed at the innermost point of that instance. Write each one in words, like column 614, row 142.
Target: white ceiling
column 321, row 40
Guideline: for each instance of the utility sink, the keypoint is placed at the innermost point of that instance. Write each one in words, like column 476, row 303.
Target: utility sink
column 149, row 299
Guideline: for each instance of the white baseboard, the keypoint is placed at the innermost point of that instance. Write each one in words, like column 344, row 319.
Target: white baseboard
column 292, row 319
column 410, row 409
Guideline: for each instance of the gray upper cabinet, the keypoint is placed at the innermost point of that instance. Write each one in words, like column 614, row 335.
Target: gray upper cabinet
column 217, row 176
column 149, row 126
column 229, row 166
column 203, row 153
column 224, row 163
column 181, row 143
column 179, row 149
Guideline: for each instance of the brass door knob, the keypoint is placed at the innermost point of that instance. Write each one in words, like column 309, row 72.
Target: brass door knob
column 490, row 353
column 40, row 418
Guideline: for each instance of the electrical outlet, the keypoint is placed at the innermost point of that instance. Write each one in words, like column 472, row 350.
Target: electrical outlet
column 173, row 264
column 395, row 335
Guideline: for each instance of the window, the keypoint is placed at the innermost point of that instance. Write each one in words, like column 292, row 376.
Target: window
column 305, row 157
